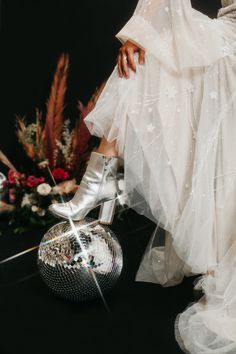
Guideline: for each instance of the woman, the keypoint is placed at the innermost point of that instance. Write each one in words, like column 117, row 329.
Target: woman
column 173, row 126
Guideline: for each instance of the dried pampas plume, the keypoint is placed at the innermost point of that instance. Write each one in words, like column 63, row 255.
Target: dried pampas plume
column 6, row 208
column 6, row 161
column 81, row 132
column 21, row 134
column 55, row 107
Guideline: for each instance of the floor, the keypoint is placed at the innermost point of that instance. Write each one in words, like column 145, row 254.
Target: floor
column 35, row 321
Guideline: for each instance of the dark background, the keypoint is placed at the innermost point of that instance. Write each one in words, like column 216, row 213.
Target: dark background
column 33, row 34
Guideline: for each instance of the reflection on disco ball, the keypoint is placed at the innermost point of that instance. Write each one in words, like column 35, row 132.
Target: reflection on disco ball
column 77, row 261
column 3, row 180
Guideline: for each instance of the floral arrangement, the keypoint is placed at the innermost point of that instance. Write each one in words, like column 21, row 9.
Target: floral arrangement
column 59, row 153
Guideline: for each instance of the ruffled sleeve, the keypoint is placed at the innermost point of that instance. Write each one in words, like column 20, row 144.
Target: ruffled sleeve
column 175, row 33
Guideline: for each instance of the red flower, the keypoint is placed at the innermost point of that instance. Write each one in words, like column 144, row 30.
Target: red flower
column 33, row 181
column 59, row 174
column 15, row 177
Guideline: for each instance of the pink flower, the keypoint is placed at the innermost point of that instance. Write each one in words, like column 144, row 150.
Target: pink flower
column 12, row 195
column 60, row 174
column 33, row 181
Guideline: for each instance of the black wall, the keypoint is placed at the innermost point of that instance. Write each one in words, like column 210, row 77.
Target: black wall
column 34, row 33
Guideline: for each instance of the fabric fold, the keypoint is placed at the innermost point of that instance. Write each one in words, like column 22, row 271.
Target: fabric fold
column 174, row 126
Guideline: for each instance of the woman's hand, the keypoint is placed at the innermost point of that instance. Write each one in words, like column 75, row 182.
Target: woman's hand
column 125, row 58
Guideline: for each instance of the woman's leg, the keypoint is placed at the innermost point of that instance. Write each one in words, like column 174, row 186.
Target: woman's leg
column 92, row 191
column 107, row 148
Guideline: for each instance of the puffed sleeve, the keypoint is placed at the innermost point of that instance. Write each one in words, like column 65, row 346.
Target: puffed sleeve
column 175, row 33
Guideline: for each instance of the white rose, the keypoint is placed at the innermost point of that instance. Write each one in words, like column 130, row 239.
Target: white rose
column 44, row 189
column 26, row 200
column 34, row 208
column 41, row 212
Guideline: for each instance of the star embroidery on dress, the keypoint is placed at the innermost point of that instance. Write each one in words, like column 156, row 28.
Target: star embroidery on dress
column 167, row 36
column 202, row 27
column 150, row 109
column 134, row 111
column 150, row 128
column 227, row 51
column 213, row 95
column 179, row 12
column 190, row 88
column 171, row 92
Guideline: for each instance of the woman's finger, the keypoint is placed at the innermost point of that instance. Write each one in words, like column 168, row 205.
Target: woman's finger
column 141, row 59
column 119, row 66
column 125, row 68
column 130, row 58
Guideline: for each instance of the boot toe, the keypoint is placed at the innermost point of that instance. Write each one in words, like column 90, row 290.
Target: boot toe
column 59, row 209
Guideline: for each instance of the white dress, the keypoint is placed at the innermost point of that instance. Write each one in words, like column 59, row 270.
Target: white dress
column 174, row 123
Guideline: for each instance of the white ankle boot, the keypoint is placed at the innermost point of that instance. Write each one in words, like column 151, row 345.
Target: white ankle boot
column 99, row 186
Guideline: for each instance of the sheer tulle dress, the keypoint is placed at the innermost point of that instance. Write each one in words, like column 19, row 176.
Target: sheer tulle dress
column 174, row 123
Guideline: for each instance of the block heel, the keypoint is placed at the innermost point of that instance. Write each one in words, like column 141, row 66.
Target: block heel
column 107, row 212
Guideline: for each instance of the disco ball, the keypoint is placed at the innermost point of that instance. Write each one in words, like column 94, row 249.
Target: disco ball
column 3, row 181
column 80, row 261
